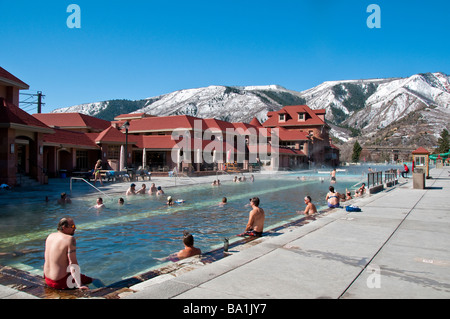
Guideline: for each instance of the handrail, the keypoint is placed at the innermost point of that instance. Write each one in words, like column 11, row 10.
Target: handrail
column 82, row 179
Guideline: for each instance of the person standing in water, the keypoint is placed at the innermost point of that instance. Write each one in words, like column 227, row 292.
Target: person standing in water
column 333, row 175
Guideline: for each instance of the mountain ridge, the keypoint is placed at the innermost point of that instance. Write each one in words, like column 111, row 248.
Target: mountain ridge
column 362, row 109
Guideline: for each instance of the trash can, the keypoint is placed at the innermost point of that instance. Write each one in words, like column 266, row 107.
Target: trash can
column 418, row 179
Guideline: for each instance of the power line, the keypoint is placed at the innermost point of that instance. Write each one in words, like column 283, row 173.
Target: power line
column 31, row 100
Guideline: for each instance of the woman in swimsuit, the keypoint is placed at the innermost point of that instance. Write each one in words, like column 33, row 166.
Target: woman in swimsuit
column 97, row 175
column 332, row 198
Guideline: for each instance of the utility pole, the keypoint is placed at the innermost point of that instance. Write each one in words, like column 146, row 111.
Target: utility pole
column 39, row 103
column 30, row 101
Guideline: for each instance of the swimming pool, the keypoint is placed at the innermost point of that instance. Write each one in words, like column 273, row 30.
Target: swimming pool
column 122, row 241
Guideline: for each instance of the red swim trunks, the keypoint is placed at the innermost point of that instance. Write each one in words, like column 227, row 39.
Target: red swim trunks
column 62, row 283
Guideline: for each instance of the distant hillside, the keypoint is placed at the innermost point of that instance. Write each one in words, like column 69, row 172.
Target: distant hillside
column 235, row 104
column 406, row 111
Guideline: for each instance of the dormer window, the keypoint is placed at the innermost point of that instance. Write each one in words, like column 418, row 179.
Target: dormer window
column 301, row 116
column 282, row 117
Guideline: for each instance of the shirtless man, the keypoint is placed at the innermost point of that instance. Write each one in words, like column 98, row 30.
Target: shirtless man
column 333, row 175
column 189, row 249
column 131, row 190
column 256, row 219
column 332, row 198
column 100, row 204
column 61, row 265
column 143, row 190
column 310, row 207
column 152, row 189
column 64, row 199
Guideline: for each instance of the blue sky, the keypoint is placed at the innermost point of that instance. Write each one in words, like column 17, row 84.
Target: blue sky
column 139, row 49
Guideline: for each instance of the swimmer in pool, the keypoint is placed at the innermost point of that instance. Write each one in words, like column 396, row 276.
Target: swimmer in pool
column 64, row 199
column 143, row 190
column 152, row 189
column 100, row 204
column 159, row 191
column 223, row 202
column 131, row 190
column 189, row 249
column 310, row 207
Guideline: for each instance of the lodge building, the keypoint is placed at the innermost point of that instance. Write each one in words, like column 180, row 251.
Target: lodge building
column 45, row 145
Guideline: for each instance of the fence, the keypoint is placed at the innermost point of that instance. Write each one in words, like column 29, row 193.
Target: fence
column 376, row 179
column 390, row 176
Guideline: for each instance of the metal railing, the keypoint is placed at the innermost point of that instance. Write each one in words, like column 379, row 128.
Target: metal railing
column 82, row 179
column 390, row 176
column 374, row 179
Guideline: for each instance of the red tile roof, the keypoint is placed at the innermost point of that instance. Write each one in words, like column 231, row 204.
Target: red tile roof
column 420, row 150
column 214, row 124
column 73, row 120
column 112, row 135
column 292, row 117
column 292, row 135
column 255, row 122
column 70, row 139
column 10, row 79
column 11, row 115
column 166, row 123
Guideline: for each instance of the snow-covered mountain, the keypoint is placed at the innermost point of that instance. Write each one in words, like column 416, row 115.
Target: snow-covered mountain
column 234, row 104
column 419, row 104
column 370, row 105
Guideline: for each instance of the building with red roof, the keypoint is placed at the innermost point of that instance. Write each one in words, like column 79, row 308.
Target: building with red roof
column 73, row 122
column 303, row 129
column 21, row 149
column 72, row 142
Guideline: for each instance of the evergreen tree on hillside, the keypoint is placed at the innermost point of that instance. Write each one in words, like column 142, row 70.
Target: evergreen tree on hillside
column 443, row 142
column 356, row 152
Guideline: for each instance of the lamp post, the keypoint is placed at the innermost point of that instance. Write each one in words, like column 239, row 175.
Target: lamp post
column 126, row 126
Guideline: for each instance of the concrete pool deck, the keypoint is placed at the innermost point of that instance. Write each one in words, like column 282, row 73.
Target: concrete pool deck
column 397, row 247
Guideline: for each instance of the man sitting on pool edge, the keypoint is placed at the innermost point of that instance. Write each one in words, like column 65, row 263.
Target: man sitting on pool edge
column 256, row 219
column 61, row 265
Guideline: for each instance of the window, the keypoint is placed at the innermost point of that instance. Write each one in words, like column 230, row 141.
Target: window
column 420, row 161
column 282, row 117
column 113, row 152
column 301, row 116
column 82, row 159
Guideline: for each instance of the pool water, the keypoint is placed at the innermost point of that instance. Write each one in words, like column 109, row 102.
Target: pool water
column 121, row 241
